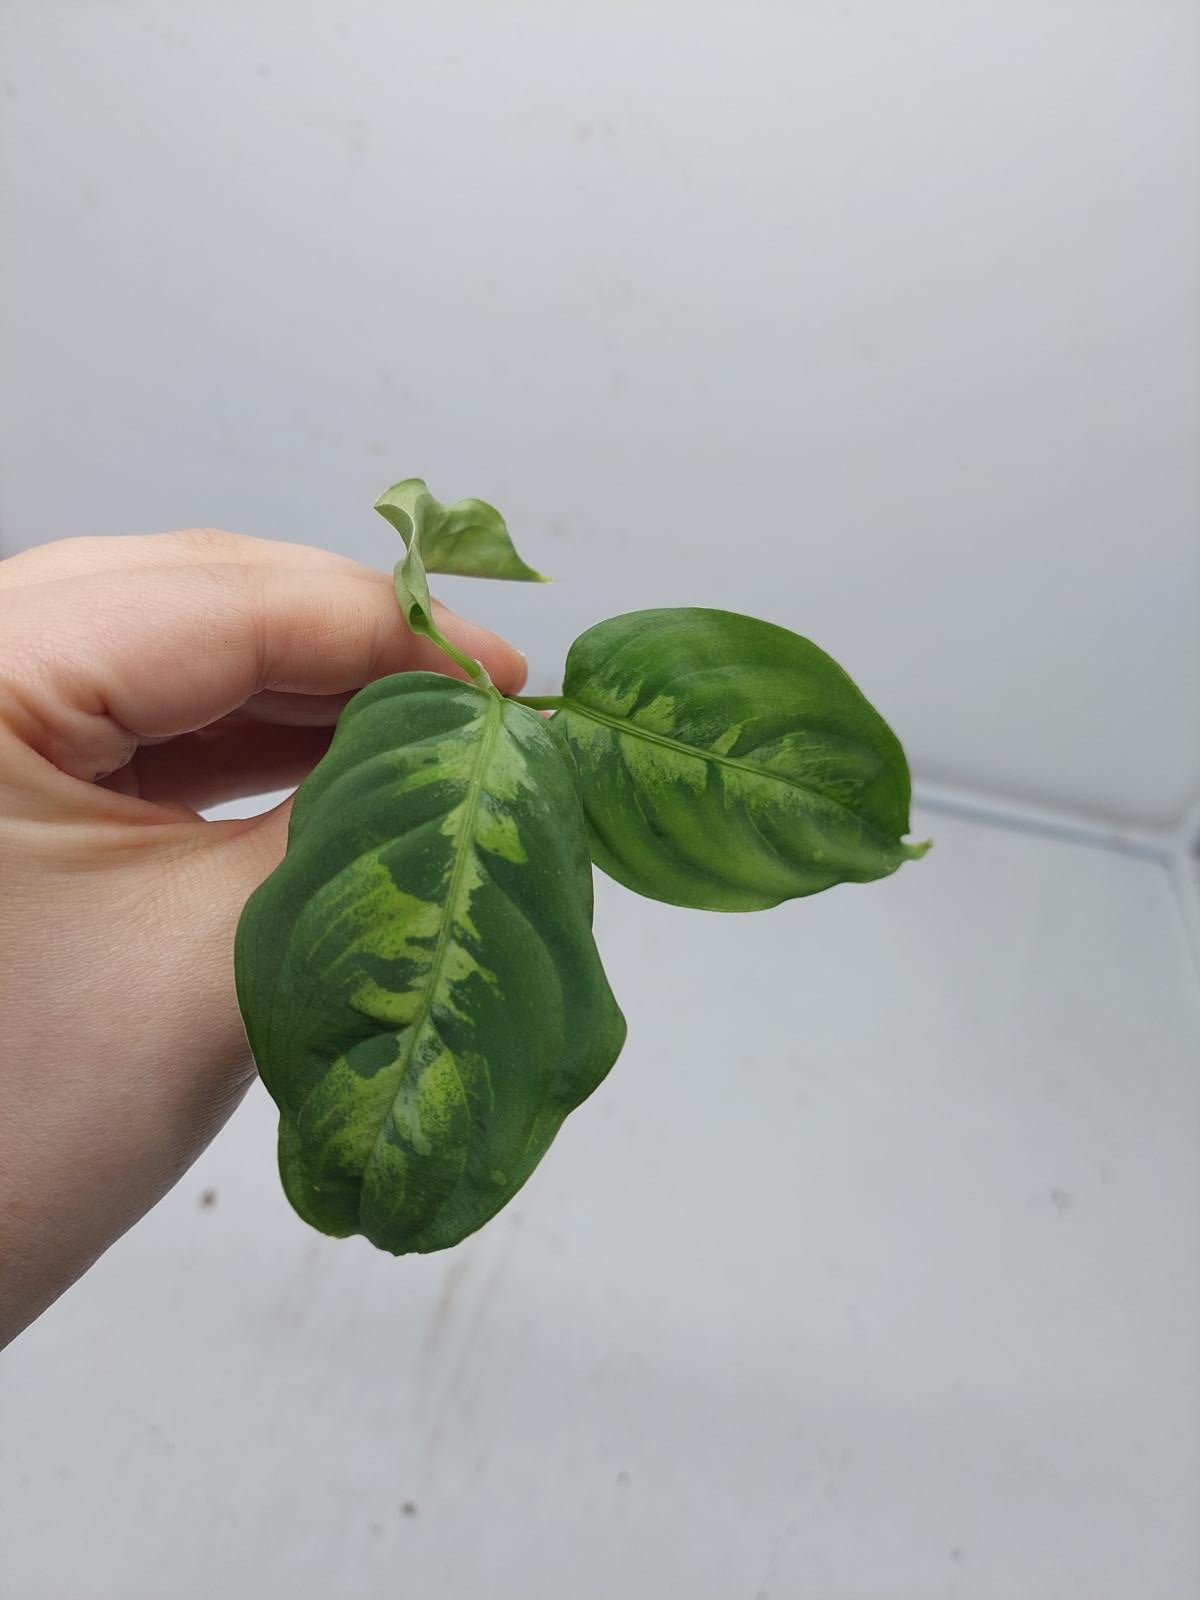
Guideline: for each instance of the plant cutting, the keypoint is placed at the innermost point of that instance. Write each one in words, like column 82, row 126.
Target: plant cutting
column 418, row 978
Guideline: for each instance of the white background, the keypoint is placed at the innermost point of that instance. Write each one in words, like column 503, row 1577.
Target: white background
column 874, row 1269
column 878, row 320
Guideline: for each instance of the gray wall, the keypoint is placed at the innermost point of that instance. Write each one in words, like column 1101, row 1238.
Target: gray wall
column 879, row 320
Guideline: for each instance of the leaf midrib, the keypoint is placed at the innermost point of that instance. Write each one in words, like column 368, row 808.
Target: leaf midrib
column 635, row 730
column 470, row 803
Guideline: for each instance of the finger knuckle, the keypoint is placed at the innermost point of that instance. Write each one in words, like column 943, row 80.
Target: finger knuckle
column 208, row 544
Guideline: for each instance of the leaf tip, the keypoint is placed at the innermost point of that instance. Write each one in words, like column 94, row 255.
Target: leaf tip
column 398, row 489
column 914, row 852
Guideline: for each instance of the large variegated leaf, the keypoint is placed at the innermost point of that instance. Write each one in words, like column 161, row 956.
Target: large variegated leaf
column 418, row 977
column 728, row 764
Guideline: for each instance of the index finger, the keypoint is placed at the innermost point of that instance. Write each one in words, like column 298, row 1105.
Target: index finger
column 126, row 657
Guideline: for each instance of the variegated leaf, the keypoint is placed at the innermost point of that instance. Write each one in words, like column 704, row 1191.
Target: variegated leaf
column 418, row 978
column 728, row 764
column 469, row 538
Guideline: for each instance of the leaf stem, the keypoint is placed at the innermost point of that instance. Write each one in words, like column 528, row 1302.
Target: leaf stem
column 475, row 670
column 538, row 702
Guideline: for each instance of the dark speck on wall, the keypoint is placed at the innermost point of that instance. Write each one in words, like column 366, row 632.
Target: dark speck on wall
column 409, row 1508
column 208, row 1199
column 623, row 1479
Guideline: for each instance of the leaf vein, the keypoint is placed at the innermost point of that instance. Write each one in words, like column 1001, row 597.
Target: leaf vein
column 465, row 848
column 622, row 725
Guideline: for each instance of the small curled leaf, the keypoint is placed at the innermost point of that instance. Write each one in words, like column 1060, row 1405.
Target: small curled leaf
column 469, row 539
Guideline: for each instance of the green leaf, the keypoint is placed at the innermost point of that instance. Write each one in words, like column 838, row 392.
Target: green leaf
column 469, row 538
column 418, row 978
column 728, row 764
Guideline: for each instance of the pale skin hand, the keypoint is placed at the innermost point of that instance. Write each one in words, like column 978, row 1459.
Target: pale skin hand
column 142, row 678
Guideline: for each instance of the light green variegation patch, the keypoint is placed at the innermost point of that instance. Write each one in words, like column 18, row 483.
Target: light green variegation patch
column 660, row 715
column 726, row 740
column 391, row 1008
column 497, row 832
column 363, row 912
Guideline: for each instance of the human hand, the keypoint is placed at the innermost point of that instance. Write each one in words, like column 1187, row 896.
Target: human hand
column 141, row 678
